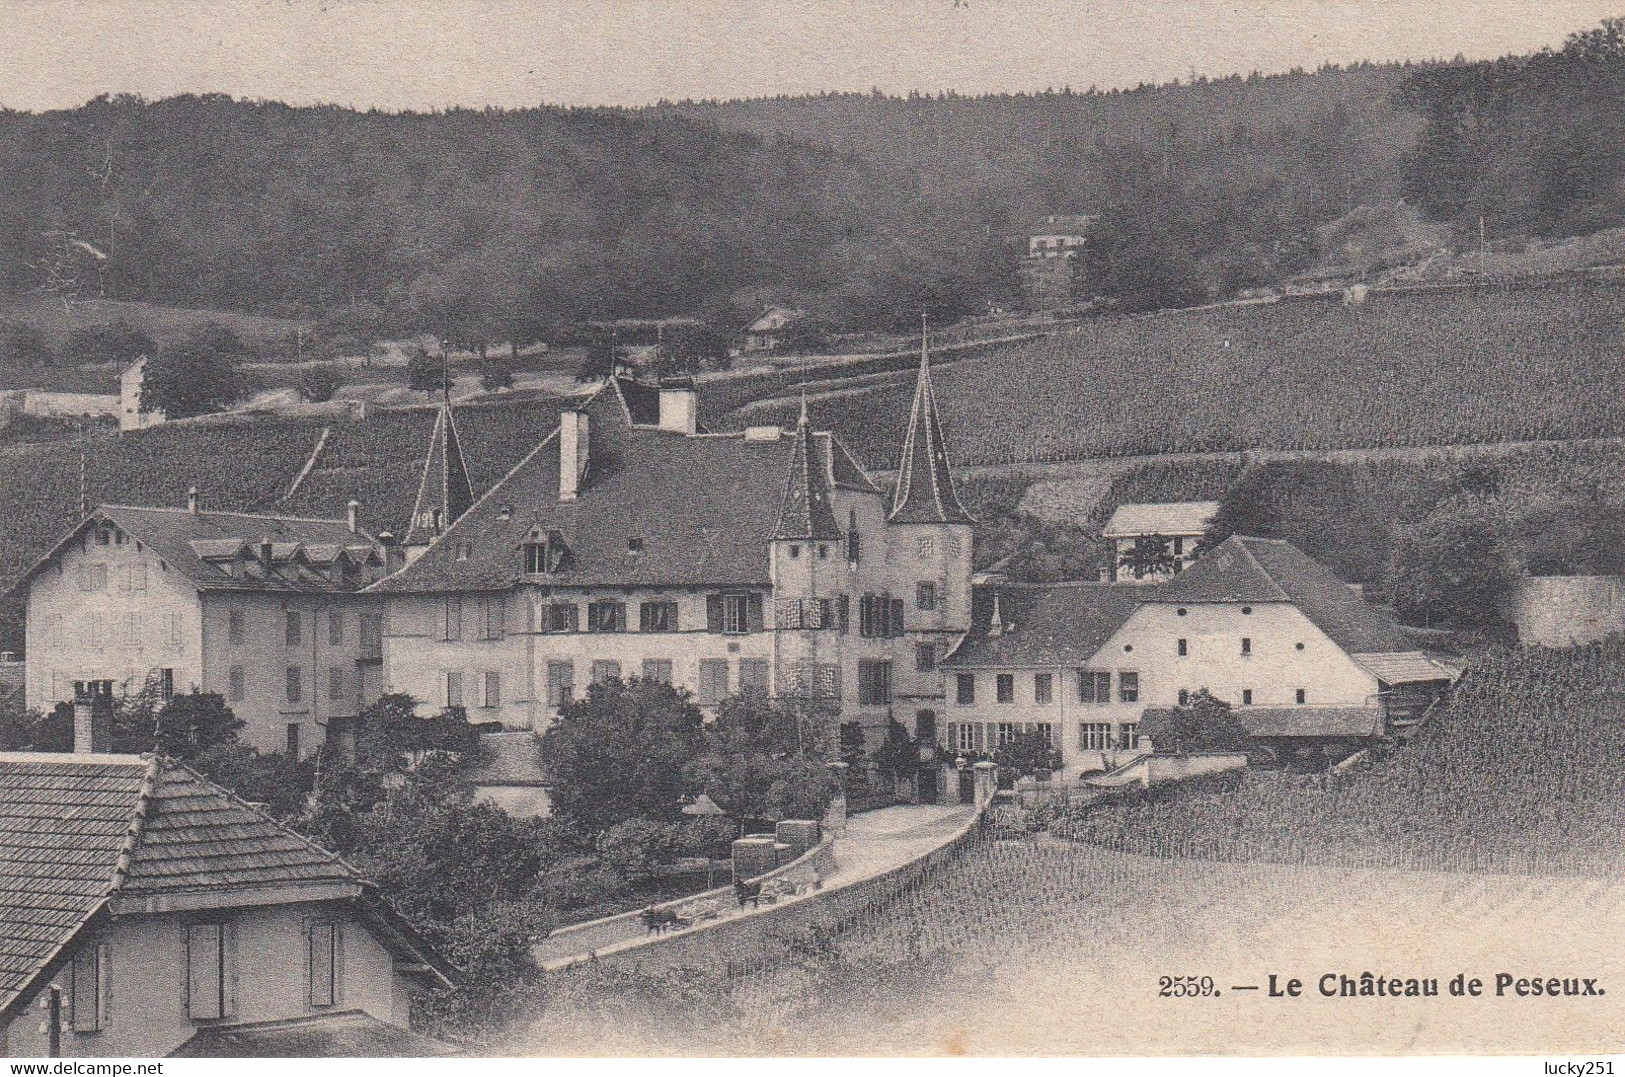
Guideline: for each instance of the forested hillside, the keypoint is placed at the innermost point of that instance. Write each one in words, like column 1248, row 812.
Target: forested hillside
column 501, row 224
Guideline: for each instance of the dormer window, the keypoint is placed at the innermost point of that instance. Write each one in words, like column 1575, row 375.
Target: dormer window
column 634, row 545
column 795, row 551
column 464, row 549
column 535, row 558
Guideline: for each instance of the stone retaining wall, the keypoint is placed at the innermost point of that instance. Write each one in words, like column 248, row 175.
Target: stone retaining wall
column 739, row 942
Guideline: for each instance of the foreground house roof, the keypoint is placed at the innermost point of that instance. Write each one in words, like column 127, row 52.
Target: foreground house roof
column 86, row 836
column 223, row 551
column 1160, row 518
column 1046, row 624
column 655, row 507
column 347, row 1034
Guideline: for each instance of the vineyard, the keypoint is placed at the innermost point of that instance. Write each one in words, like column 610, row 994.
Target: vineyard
column 1518, row 774
column 1451, row 367
column 1045, row 947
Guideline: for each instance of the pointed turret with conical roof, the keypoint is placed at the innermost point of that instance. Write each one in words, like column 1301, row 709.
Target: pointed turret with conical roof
column 445, row 492
column 925, row 486
column 806, row 512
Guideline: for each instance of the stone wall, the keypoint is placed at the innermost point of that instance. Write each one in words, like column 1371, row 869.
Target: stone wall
column 1562, row 611
column 732, row 945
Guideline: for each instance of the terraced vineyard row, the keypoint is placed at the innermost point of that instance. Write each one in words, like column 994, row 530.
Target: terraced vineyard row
column 1436, row 368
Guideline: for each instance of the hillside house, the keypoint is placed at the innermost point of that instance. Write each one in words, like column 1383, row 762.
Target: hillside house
column 171, row 917
column 264, row 610
column 766, row 332
column 1304, row 659
column 1179, row 525
column 131, row 416
column 1059, row 236
column 630, row 543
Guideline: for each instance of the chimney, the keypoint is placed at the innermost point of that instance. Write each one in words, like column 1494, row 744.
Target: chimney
column 352, row 515
column 92, row 725
column 995, row 623
column 191, row 500
column 679, row 404
column 265, row 552
column 572, row 452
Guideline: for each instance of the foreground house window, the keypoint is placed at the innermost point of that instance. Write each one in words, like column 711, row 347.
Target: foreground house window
column 1131, row 735
column 657, row 669
column 563, row 617
column 208, row 972
column 965, row 688
column 604, row 671
column 1004, row 686
column 733, row 614
column 1043, row 687
column 86, row 989
column 324, row 969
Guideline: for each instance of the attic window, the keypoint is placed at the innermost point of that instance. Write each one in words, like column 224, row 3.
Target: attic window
column 1300, row 646
column 795, row 551
column 535, row 558
column 1246, row 609
column 1127, row 647
column 634, row 545
column 823, row 551
column 464, row 549
column 507, row 512
column 1182, row 611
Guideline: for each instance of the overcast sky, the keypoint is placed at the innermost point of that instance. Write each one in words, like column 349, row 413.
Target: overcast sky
column 434, row 53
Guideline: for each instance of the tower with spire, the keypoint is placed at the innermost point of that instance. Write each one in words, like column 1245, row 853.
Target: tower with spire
column 445, row 490
column 928, row 555
column 807, row 568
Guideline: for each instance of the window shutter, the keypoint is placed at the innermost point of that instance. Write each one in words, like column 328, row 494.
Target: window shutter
column 322, row 954
column 843, row 611
column 86, row 988
column 203, row 969
column 228, row 967
column 755, row 607
column 897, row 605
column 713, row 613
column 953, row 736
column 978, row 736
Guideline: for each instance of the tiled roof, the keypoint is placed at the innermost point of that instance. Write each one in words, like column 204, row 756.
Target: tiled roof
column 1161, row 518
column 806, row 512
column 201, row 546
column 1244, row 569
column 1406, row 667
column 63, row 824
column 132, row 833
column 925, row 486
column 705, row 508
column 1048, row 624
column 348, row 1034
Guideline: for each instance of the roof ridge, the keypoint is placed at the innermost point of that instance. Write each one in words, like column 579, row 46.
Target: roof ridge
column 182, row 510
column 138, row 823
column 1241, row 543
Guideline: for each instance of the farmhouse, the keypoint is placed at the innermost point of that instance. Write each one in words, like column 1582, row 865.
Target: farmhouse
column 1303, row 658
column 1175, row 526
column 264, row 610
column 168, row 916
column 766, row 331
column 630, row 543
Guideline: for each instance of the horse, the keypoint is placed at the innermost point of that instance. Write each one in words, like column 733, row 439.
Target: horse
column 659, row 921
